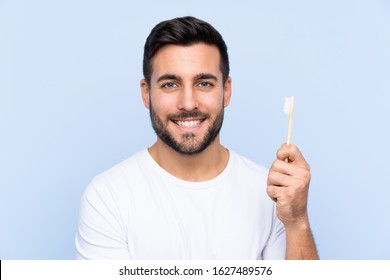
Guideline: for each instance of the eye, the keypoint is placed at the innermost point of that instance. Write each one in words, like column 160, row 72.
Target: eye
column 205, row 84
column 169, row 85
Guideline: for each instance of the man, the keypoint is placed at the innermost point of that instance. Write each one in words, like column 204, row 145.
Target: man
column 187, row 196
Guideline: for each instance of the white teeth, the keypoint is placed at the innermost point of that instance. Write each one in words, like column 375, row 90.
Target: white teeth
column 188, row 123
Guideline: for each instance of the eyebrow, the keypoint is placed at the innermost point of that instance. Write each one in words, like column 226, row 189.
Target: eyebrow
column 200, row 76
column 168, row 77
column 206, row 76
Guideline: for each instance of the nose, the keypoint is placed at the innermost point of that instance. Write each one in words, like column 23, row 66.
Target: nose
column 188, row 100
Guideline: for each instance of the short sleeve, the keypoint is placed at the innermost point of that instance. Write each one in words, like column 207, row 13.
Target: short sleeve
column 101, row 231
column 276, row 245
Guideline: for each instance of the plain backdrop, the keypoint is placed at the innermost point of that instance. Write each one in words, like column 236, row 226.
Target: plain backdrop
column 70, row 108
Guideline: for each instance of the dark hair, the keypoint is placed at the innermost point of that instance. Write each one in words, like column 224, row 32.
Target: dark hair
column 184, row 31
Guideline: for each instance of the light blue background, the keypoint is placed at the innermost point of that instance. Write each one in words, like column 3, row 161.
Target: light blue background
column 70, row 108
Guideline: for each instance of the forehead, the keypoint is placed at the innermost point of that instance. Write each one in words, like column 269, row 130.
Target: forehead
column 186, row 60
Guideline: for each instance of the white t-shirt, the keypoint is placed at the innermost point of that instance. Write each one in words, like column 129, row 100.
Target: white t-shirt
column 137, row 210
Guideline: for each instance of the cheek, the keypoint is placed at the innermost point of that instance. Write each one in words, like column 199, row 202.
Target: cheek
column 163, row 106
column 212, row 104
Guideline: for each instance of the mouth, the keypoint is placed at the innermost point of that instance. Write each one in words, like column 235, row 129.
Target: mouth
column 188, row 123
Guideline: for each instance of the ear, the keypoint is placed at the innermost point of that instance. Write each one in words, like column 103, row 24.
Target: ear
column 145, row 93
column 227, row 93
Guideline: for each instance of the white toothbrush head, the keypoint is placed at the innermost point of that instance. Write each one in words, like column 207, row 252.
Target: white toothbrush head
column 287, row 105
column 289, row 110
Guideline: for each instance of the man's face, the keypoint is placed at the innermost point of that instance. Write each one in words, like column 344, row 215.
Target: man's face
column 186, row 96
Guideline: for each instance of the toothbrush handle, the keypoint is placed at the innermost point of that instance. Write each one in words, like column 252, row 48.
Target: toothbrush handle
column 290, row 119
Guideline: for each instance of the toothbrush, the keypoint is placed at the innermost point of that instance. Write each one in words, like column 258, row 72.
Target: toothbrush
column 289, row 110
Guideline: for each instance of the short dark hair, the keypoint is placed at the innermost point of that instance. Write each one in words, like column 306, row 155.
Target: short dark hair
column 183, row 31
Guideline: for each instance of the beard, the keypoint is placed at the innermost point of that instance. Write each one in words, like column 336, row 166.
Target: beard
column 189, row 144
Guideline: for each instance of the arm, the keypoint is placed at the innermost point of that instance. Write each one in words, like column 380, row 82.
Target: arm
column 300, row 243
column 288, row 185
column 100, row 233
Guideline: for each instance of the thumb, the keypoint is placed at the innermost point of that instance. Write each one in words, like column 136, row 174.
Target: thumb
column 293, row 154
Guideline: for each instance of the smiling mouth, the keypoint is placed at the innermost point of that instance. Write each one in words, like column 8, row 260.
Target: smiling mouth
column 188, row 123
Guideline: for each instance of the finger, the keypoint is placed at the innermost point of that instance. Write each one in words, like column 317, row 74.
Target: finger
column 293, row 154
column 283, row 180
column 278, row 179
column 290, row 169
column 274, row 192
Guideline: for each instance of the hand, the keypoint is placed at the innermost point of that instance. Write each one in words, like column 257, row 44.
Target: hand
column 288, row 185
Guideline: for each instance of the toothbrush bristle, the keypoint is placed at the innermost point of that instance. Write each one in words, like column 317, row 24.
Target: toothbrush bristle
column 287, row 104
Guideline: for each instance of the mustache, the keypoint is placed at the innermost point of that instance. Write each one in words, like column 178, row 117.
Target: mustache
column 189, row 114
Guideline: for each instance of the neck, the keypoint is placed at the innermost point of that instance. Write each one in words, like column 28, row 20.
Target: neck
column 195, row 168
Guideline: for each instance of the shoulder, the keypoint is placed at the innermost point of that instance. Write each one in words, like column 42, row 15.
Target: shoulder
column 246, row 165
column 123, row 170
column 248, row 174
column 117, row 180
